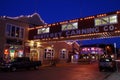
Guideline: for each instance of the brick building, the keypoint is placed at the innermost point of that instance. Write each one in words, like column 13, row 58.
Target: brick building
column 14, row 33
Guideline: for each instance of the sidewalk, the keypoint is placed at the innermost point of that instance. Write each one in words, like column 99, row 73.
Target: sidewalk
column 114, row 76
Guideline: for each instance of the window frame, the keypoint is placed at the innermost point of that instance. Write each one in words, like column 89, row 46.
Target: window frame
column 21, row 35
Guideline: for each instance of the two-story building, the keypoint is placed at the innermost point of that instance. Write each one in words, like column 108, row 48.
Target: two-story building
column 14, row 34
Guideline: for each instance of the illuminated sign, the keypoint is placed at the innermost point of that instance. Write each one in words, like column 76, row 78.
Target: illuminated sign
column 43, row 30
column 80, row 28
column 76, row 32
column 112, row 19
column 70, row 26
column 12, row 51
column 6, row 51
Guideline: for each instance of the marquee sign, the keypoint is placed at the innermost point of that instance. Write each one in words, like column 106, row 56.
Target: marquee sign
column 78, row 28
column 67, row 33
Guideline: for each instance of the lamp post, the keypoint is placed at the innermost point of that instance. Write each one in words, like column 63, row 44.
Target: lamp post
column 115, row 51
column 116, row 57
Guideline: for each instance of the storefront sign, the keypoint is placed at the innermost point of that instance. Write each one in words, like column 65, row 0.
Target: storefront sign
column 97, row 29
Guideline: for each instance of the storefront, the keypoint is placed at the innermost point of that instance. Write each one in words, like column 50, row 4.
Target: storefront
column 12, row 51
column 92, row 52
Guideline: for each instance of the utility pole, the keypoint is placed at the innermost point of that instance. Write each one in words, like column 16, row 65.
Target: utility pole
column 116, row 57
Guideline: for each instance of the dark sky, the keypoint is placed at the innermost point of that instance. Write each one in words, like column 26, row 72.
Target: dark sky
column 57, row 10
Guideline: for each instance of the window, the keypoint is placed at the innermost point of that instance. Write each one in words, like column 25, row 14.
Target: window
column 70, row 26
column 63, row 53
column 14, row 31
column 112, row 19
column 17, row 31
column 8, row 30
column 43, row 30
column 48, row 53
column 21, row 33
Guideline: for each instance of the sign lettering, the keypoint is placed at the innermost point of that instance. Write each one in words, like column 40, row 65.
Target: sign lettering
column 76, row 32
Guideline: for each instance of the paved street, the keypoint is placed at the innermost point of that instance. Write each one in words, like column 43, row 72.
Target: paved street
column 60, row 72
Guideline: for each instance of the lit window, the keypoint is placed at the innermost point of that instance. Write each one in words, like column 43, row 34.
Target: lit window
column 63, row 53
column 14, row 31
column 17, row 31
column 48, row 53
column 21, row 33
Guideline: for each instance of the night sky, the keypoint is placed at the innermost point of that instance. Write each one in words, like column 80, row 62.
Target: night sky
column 52, row 11
column 57, row 10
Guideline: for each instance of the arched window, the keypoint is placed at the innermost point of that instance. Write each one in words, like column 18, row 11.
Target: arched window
column 48, row 53
column 63, row 54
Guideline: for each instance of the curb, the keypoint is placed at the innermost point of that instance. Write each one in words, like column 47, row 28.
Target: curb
column 113, row 76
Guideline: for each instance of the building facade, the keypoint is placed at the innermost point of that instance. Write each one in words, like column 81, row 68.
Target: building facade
column 30, row 36
column 14, row 34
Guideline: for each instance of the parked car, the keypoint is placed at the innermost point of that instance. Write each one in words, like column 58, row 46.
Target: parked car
column 20, row 63
column 107, row 64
